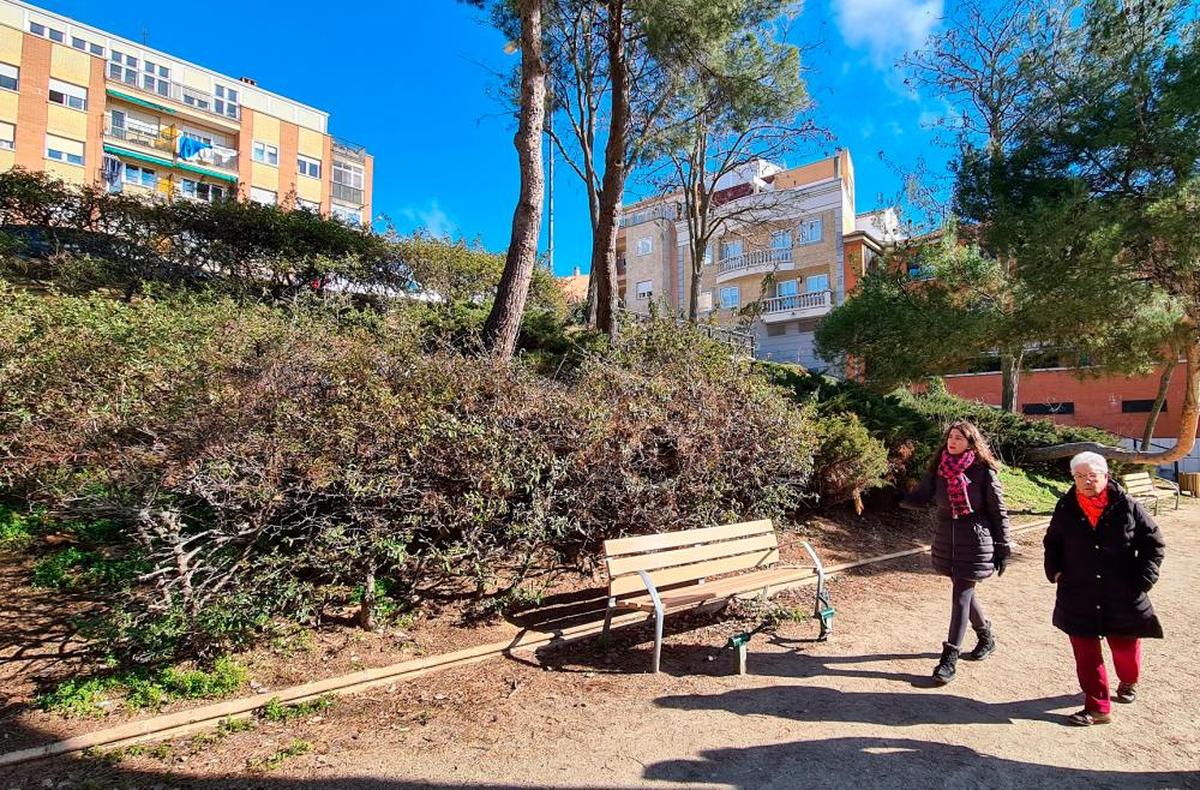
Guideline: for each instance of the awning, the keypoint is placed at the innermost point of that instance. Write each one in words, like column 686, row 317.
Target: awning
column 155, row 160
column 140, row 102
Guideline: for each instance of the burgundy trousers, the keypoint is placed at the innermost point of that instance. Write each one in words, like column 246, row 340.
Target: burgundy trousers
column 1093, row 677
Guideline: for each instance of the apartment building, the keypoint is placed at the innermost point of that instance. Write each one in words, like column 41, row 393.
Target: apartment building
column 94, row 108
column 790, row 244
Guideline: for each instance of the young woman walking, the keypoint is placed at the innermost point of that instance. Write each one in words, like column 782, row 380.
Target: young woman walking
column 972, row 535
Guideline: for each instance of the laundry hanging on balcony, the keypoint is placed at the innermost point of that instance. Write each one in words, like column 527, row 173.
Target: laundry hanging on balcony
column 191, row 148
column 110, row 173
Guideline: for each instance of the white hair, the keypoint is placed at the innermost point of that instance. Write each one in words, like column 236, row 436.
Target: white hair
column 1089, row 459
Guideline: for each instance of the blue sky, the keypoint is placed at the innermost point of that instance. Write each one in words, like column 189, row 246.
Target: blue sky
column 416, row 82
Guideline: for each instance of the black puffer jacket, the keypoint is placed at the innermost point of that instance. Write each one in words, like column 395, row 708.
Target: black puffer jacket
column 967, row 547
column 1106, row 570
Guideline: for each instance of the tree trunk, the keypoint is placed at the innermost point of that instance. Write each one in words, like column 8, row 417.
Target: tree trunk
column 697, row 267
column 604, row 242
column 1010, row 379
column 500, row 331
column 366, row 609
column 1164, row 384
column 1189, row 420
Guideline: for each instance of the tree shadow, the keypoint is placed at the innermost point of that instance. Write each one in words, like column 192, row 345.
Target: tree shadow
column 867, row 762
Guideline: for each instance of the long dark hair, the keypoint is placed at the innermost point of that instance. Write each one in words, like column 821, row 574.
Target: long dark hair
column 975, row 441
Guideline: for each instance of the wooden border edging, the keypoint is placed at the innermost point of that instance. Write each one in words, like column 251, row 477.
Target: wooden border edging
column 188, row 721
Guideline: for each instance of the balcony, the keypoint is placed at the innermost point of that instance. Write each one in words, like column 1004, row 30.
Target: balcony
column 347, row 194
column 165, row 144
column 754, row 262
column 805, row 305
column 205, row 104
column 344, row 149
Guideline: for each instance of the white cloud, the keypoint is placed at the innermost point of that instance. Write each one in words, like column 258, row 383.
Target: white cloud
column 866, row 129
column 886, row 28
column 435, row 221
column 947, row 117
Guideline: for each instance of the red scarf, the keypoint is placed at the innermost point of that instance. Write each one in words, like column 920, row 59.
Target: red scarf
column 1092, row 506
column 952, row 469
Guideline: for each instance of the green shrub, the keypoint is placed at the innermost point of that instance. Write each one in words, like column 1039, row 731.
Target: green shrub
column 848, row 461
column 82, row 697
column 16, row 529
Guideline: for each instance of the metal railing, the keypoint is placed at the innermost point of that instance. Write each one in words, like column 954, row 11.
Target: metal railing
column 754, row 258
column 347, row 194
column 188, row 97
column 349, row 150
column 816, row 303
column 166, row 141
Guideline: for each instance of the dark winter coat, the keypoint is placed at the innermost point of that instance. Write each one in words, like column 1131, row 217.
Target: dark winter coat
column 968, row 547
column 1107, row 569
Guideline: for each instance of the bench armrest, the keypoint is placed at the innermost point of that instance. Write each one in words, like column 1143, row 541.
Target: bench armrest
column 650, row 588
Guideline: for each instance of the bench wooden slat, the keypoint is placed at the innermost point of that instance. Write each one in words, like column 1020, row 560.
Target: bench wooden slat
column 722, row 588
column 668, row 576
column 632, row 563
column 689, row 537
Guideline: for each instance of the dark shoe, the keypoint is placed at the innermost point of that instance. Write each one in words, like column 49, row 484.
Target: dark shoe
column 985, row 646
column 1126, row 693
column 943, row 673
column 1086, row 718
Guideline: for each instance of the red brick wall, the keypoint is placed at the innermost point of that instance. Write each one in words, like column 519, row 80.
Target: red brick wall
column 1097, row 400
column 94, row 146
column 289, row 148
column 32, row 110
column 368, row 188
column 245, row 146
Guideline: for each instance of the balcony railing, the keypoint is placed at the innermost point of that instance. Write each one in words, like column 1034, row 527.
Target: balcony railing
column 798, row 305
column 166, row 142
column 189, row 97
column 347, row 194
column 349, row 150
column 753, row 260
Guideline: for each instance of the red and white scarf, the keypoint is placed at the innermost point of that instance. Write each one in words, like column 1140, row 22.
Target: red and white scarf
column 952, row 469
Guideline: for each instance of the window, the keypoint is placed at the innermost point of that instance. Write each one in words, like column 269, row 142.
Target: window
column 61, row 149
column 781, row 240
column 308, row 205
column 86, row 46
column 68, row 95
column 307, row 166
column 8, row 135
column 787, row 288
column 351, row 216
column 193, row 98
column 122, row 67
column 225, row 101
column 731, row 297
column 810, row 231
column 1066, row 407
column 53, row 34
column 348, row 174
column 156, row 78
column 731, row 249
column 1140, row 406
column 9, row 76
column 818, row 282
column 706, row 301
column 141, row 176
column 264, row 196
column 645, row 289
column 267, row 154
column 645, row 246
column 198, row 190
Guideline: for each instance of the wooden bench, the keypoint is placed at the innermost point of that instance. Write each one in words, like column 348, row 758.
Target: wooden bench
column 1140, row 485
column 674, row 571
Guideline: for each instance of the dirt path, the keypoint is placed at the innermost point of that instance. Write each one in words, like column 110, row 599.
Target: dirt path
column 856, row 711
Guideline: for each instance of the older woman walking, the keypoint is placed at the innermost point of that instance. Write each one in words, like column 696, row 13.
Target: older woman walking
column 972, row 535
column 1104, row 552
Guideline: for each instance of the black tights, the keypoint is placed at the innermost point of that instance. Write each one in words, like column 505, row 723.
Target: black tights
column 964, row 606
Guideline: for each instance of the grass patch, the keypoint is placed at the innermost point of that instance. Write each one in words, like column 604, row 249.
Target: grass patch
column 84, row 697
column 275, row 710
column 76, row 568
column 1032, row 493
column 294, row 749
column 16, row 529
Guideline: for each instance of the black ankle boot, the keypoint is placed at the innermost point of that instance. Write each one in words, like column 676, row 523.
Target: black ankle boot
column 985, row 645
column 943, row 673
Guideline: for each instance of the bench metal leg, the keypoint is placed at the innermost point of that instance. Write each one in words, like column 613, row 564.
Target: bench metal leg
column 608, row 613
column 823, row 606
column 658, row 625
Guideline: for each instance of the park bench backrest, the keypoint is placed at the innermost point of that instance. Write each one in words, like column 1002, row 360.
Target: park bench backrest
column 690, row 555
column 1138, row 484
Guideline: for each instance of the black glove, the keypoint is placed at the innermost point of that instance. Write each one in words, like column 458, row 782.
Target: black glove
column 1000, row 553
